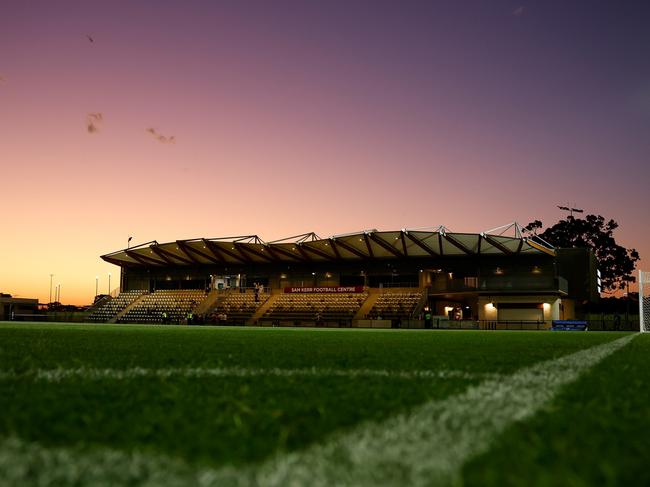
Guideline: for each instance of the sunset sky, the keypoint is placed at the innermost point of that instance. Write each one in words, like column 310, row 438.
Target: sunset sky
column 297, row 116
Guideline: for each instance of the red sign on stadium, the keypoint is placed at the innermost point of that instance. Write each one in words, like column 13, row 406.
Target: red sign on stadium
column 325, row 289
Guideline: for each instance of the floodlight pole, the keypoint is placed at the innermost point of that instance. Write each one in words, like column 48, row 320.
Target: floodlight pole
column 96, row 285
column 51, row 276
column 109, row 283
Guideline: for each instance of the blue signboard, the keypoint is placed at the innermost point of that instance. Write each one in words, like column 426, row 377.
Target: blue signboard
column 569, row 325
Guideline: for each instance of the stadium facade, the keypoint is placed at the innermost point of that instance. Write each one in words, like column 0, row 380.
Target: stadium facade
column 486, row 278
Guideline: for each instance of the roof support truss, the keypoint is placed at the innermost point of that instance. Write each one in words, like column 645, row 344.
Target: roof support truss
column 456, row 243
column 403, row 239
column 422, row 245
column 334, row 248
column 497, row 244
column 168, row 256
column 385, row 245
column 244, row 249
column 303, row 252
column 315, row 251
column 278, row 252
column 221, row 252
column 366, row 238
column 351, row 249
column 143, row 259
column 189, row 250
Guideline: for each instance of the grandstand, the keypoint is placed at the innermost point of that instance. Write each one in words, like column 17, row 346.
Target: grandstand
column 236, row 306
column 395, row 305
column 495, row 278
column 163, row 306
column 113, row 307
column 303, row 308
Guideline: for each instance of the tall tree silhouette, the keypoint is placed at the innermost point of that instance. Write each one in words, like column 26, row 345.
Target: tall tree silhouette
column 616, row 263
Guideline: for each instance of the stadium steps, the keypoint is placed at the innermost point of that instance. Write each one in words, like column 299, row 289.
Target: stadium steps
column 421, row 304
column 98, row 304
column 210, row 302
column 126, row 310
column 264, row 307
column 220, row 297
column 373, row 295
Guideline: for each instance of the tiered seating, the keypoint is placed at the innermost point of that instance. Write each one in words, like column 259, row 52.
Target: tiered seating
column 113, row 306
column 238, row 307
column 315, row 307
column 395, row 304
column 177, row 304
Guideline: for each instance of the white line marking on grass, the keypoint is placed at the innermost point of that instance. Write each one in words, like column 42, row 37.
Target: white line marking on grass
column 30, row 464
column 84, row 373
column 425, row 447
column 430, row 445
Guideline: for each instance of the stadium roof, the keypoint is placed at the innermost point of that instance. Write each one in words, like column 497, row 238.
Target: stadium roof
column 369, row 244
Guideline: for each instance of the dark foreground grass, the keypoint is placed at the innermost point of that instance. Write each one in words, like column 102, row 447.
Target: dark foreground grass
column 210, row 421
column 236, row 420
column 596, row 433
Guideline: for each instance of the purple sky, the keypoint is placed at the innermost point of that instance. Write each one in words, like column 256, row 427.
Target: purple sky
column 297, row 116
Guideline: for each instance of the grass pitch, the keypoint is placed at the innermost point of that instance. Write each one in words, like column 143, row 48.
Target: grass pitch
column 229, row 399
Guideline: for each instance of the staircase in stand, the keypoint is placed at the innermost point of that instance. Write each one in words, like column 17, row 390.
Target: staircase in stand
column 125, row 310
column 211, row 301
column 373, row 295
column 263, row 308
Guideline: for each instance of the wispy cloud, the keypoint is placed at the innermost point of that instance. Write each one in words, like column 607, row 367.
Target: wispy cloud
column 93, row 121
column 163, row 139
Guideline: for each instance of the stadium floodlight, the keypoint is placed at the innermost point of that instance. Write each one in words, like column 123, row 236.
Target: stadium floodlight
column 571, row 210
column 644, row 301
column 51, row 276
column 109, row 283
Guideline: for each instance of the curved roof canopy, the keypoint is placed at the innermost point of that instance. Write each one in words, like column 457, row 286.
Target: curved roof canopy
column 369, row 244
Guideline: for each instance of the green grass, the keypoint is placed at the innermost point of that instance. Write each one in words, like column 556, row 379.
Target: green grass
column 596, row 433
column 49, row 346
column 238, row 420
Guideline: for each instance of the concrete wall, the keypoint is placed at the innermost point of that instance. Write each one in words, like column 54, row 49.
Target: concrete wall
column 488, row 306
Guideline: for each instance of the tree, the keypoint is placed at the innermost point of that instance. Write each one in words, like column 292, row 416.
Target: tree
column 616, row 263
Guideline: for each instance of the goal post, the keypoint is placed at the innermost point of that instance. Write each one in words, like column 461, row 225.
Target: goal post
column 644, row 301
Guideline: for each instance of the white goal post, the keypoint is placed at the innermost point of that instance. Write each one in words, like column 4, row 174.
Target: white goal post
column 644, row 301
